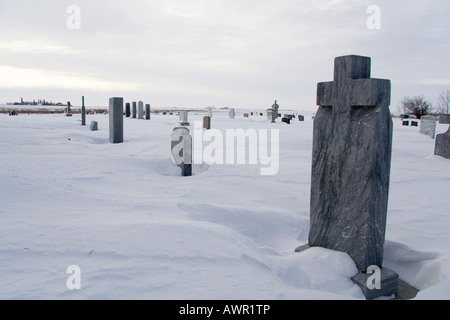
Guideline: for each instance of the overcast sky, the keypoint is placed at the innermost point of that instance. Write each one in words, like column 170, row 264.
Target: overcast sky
column 222, row 53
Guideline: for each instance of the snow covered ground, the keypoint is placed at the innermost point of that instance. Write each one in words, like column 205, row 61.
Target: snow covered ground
column 138, row 230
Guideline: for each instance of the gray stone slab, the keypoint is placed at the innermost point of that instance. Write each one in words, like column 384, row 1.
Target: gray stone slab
column 388, row 285
column 83, row 112
column 352, row 143
column 147, row 112
column 127, row 110
column 442, row 145
column 133, row 109
column 93, row 126
column 183, row 118
column 428, row 126
column 140, row 110
column 116, row 120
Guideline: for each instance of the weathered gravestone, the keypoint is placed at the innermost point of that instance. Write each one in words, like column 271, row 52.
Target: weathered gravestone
column 127, row 110
column 301, row 118
column 147, row 112
column 275, row 106
column 352, row 142
column 286, row 120
column 442, row 146
column 93, row 126
column 68, row 113
column 428, row 126
column 116, row 120
column 183, row 118
column 206, row 122
column 181, row 147
column 232, row 113
column 133, row 110
column 140, row 110
column 83, row 112
column 271, row 115
column 414, row 124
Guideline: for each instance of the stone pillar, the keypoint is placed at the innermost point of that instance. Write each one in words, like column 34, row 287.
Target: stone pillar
column 116, row 120
column 147, row 112
column 83, row 112
column 127, row 110
column 140, row 110
column 68, row 113
column 133, row 110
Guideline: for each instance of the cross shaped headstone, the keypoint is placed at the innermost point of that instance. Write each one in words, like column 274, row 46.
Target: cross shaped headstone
column 352, row 144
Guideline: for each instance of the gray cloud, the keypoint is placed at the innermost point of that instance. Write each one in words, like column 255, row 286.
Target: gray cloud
column 223, row 53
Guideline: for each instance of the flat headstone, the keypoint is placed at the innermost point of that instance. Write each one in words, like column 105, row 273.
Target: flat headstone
column 428, row 126
column 140, row 110
column 352, row 143
column 93, row 126
column 116, row 120
column 181, row 149
column 127, row 110
column 442, row 145
column 147, row 112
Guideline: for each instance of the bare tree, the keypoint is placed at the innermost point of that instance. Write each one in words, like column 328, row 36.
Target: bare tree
column 443, row 104
column 417, row 106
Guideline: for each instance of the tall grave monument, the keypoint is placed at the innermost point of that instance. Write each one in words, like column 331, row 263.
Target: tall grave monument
column 352, row 141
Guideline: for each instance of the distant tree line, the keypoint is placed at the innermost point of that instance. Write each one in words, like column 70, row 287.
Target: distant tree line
column 35, row 103
column 419, row 106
